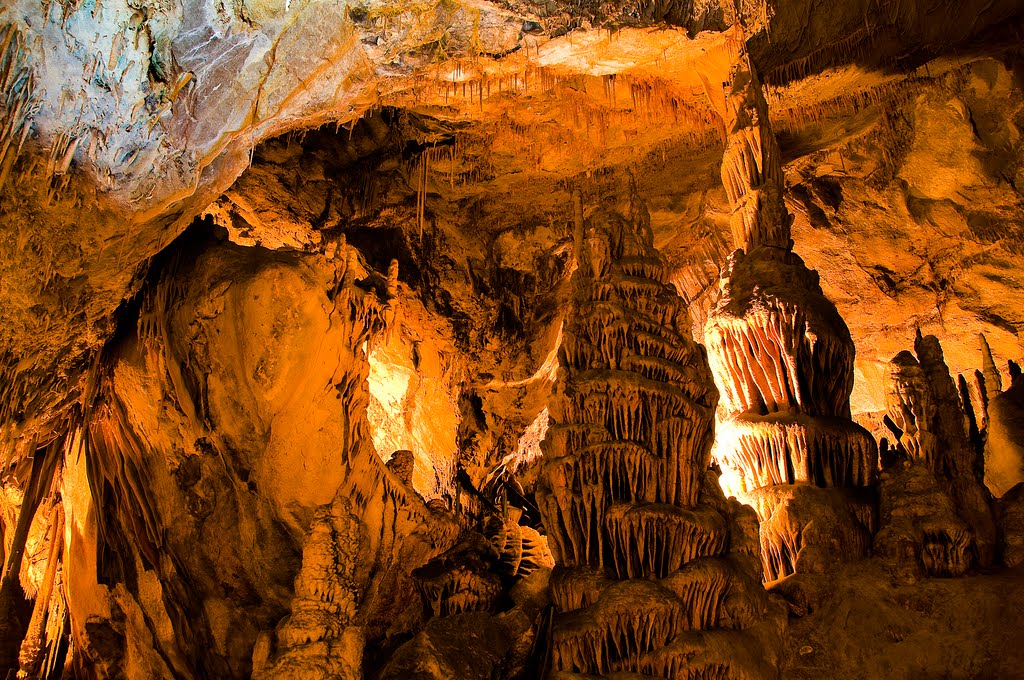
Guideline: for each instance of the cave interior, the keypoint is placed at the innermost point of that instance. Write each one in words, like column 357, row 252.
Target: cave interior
column 512, row 339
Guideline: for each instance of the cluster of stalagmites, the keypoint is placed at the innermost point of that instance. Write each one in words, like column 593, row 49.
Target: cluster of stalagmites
column 783, row 360
column 935, row 511
column 654, row 576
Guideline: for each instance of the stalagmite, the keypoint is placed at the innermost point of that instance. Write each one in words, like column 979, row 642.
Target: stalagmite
column 961, row 460
column 935, row 510
column 321, row 636
column 993, row 380
column 203, row 208
column 642, row 544
column 781, row 354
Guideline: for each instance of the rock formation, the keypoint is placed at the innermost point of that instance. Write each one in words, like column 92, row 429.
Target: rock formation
column 1004, row 449
column 1004, row 465
column 21, row 639
column 782, row 358
column 233, row 478
column 321, row 635
column 651, row 576
column 1010, row 512
column 284, row 288
column 935, row 510
column 487, row 598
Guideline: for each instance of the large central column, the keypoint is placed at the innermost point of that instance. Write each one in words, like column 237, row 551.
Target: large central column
column 640, row 536
column 782, row 357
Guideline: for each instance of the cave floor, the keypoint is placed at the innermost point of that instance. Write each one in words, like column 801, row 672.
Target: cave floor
column 862, row 623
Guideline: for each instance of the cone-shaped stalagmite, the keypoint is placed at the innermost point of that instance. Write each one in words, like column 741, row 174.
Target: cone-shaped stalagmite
column 781, row 354
column 649, row 563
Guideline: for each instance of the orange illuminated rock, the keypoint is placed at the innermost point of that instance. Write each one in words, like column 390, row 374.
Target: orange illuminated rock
column 780, row 352
column 640, row 544
column 935, row 508
column 1004, row 448
column 210, row 414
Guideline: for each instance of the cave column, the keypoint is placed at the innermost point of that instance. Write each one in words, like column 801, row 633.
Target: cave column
column 781, row 354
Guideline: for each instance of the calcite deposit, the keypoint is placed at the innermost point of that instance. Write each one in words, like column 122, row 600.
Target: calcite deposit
column 510, row 340
column 944, row 514
column 647, row 563
column 782, row 356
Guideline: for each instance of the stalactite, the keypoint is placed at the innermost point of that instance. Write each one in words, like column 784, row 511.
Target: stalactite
column 36, row 637
column 814, row 526
column 17, row 102
column 421, row 192
column 361, row 548
column 849, row 48
column 461, row 580
column 115, row 456
column 704, row 655
column 45, row 463
column 850, row 103
column 764, row 451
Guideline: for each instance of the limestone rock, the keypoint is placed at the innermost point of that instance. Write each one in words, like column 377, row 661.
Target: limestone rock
column 780, row 352
column 319, row 638
column 470, row 645
column 1004, row 450
column 249, row 249
column 644, row 585
column 1010, row 510
column 813, row 527
column 926, row 413
column 920, row 528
